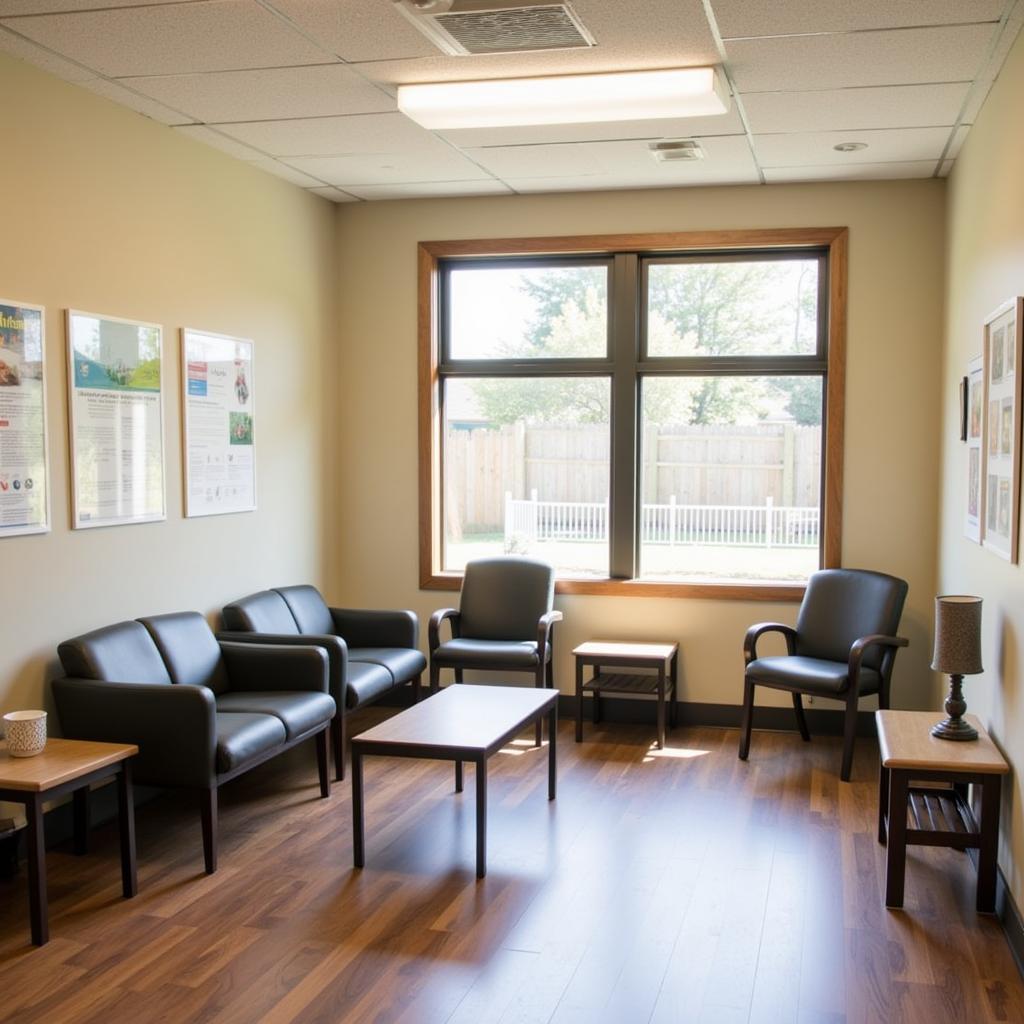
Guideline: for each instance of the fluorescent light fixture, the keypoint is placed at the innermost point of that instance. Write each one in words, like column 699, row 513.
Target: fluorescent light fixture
column 565, row 99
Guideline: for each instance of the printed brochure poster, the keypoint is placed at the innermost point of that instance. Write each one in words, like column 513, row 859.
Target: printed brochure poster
column 219, row 416
column 117, row 436
column 24, row 501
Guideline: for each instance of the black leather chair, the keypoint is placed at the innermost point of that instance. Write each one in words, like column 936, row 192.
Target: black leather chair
column 369, row 652
column 201, row 712
column 504, row 622
column 843, row 648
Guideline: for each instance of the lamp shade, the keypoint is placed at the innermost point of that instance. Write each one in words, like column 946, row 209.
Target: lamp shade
column 957, row 635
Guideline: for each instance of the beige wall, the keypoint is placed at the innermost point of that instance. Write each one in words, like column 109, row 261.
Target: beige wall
column 896, row 246
column 106, row 211
column 985, row 266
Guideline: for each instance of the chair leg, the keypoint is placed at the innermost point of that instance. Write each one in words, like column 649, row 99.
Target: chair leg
column 458, row 674
column 801, row 721
column 416, row 686
column 883, row 698
column 849, row 735
column 748, row 719
column 539, row 682
column 322, row 764
column 549, row 674
column 208, row 812
column 338, row 745
column 435, row 677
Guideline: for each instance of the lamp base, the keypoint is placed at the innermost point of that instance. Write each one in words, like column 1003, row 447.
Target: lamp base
column 954, row 729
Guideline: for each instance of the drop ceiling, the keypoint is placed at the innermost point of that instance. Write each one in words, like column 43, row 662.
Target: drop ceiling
column 305, row 89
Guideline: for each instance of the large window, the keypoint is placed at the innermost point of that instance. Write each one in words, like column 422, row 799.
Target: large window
column 654, row 414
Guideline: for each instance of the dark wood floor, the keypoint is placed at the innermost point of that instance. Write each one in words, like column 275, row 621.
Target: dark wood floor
column 687, row 886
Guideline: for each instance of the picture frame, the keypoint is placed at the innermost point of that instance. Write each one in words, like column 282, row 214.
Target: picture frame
column 999, row 518
column 115, row 420
column 218, row 420
column 24, row 433
column 963, row 389
column 973, row 427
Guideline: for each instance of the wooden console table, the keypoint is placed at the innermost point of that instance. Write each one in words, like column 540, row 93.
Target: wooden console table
column 662, row 658
column 931, row 816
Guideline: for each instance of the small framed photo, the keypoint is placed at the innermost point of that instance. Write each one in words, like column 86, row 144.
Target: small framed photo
column 974, row 405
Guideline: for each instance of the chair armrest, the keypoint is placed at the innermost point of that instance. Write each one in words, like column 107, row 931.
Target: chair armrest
column 256, row 667
column 858, row 648
column 434, row 629
column 545, row 627
column 336, row 648
column 760, row 628
column 174, row 726
column 364, row 627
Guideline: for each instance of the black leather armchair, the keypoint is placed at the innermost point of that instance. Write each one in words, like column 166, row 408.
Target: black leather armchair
column 369, row 652
column 843, row 647
column 504, row 622
column 200, row 711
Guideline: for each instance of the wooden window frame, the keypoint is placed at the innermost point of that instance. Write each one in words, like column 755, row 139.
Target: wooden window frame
column 430, row 255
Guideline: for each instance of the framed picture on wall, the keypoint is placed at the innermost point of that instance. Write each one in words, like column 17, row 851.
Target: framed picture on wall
column 999, row 519
column 974, row 406
column 116, row 420
column 218, row 422
column 24, row 477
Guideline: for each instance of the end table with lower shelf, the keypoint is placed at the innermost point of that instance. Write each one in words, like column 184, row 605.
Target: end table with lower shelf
column 663, row 659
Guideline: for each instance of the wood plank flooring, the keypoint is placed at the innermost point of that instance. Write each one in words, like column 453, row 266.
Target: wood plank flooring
column 682, row 886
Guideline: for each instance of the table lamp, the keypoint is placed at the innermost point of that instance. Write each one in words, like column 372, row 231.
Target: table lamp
column 957, row 653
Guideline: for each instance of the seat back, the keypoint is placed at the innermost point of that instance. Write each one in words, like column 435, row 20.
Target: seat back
column 503, row 598
column 122, row 653
column 308, row 608
column 842, row 605
column 263, row 612
column 189, row 649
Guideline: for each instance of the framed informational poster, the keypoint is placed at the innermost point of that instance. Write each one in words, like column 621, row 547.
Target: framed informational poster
column 24, row 480
column 1001, row 443
column 975, row 415
column 218, row 417
column 116, row 420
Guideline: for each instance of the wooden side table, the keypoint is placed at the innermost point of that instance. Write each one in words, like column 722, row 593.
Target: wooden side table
column 602, row 655
column 939, row 816
column 68, row 766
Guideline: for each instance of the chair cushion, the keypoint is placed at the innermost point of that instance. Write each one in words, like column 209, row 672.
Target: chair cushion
column 242, row 738
column 308, row 609
column 189, row 649
column 298, row 712
column 512, row 654
column 263, row 612
column 810, row 675
column 366, row 682
column 403, row 663
column 503, row 598
column 123, row 653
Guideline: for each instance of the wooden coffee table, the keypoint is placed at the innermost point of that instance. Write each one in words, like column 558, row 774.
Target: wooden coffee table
column 68, row 766
column 461, row 723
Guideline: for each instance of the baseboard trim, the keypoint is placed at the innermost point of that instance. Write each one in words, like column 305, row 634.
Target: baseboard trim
column 1010, row 918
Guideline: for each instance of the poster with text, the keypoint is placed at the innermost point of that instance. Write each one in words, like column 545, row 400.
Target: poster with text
column 219, row 416
column 24, row 483
column 115, row 384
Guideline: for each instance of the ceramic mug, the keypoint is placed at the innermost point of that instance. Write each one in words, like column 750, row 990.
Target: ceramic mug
column 25, row 732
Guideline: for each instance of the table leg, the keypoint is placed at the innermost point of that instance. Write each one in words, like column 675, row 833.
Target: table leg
column 458, row 776
column 989, row 829
column 883, row 801
column 126, row 828
column 896, row 853
column 552, row 764
column 595, row 706
column 661, row 707
column 672, row 711
column 579, row 701
column 358, row 852
column 481, row 817
column 81, row 819
column 37, row 903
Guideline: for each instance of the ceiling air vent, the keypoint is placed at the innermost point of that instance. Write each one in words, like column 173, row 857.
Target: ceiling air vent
column 671, row 150
column 460, row 27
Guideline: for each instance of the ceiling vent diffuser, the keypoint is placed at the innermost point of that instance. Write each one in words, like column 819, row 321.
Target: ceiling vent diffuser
column 672, row 150
column 460, row 27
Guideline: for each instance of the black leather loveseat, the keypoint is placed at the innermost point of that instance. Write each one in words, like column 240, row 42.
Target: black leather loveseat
column 202, row 711
column 371, row 652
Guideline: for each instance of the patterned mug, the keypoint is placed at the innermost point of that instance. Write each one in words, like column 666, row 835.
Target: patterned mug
column 25, row 732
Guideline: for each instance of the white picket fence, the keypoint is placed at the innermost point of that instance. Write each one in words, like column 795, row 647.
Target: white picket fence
column 763, row 526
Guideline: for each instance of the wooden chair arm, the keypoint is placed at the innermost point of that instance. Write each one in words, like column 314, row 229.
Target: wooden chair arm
column 760, row 628
column 434, row 628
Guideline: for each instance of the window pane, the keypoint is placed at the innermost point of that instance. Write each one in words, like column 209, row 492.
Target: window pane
column 528, row 312
column 730, row 478
column 769, row 307
column 526, row 468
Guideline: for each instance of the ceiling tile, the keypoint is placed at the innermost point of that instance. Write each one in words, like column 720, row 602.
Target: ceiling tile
column 280, row 170
column 816, row 148
column 430, row 189
column 142, row 104
column 311, row 91
column 857, row 172
column 17, row 46
column 212, row 35
column 738, row 18
column 656, row 128
column 389, row 168
column 899, row 106
column 899, row 57
column 681, row 176
column 12, row 7
column 335, row 136
column 630, row 34
column 214, row 138
column 334, row 194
